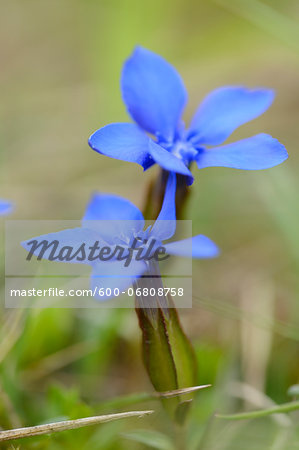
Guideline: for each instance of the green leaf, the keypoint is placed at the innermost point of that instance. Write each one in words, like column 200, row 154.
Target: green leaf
column 153, row 439
column 167, row 353
column 182, row 410
column 184, row 359
column 182, row 350
column 157, row 355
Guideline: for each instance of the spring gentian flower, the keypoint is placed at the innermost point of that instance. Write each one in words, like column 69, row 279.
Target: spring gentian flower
column 111, row 220
column 155, row 97
column 6, row 207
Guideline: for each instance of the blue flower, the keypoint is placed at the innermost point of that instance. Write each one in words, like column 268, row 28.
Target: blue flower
column 155, row 97
column 6, row 207
column 114, row 221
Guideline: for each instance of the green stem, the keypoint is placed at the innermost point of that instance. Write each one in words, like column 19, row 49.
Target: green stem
column 155, row 195
column 279, row 409
column 167, row 353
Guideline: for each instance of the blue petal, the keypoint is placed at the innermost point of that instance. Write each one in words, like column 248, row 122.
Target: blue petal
column 168, row 161
column 255, row 153
column 74, row 238
column 125, row 141
column 153, row 92
column 111, row 207
column 165, row 225
column 6, row 207
column 224, row 110
column 114, row 275
column 198, row 246
column 113, row 217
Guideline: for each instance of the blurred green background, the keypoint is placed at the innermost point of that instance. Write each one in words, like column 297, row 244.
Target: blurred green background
column 60, row 70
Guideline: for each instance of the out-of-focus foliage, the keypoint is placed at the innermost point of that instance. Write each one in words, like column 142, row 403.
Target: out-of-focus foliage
column 61, row 63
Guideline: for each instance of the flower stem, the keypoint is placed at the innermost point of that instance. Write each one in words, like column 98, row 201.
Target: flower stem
column 155, row 195
column 167, row 353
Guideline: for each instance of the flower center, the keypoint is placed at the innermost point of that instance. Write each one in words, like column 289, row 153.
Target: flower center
column 182, row 149
column 144, row 244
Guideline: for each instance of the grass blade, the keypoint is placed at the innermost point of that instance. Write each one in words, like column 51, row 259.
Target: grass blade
column 48, row 428
column 284, row 408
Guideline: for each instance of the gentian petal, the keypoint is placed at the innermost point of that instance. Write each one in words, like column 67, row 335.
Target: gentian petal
column 73, row 238
column 168, row 161
column 258, row 152
column 198, row 246
column 153, row 92
column 224, row 110
column 112, row 217
column 6, row 207
column 165, row 225
column 111, row 207
column 125, row 141
column 114, row 275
